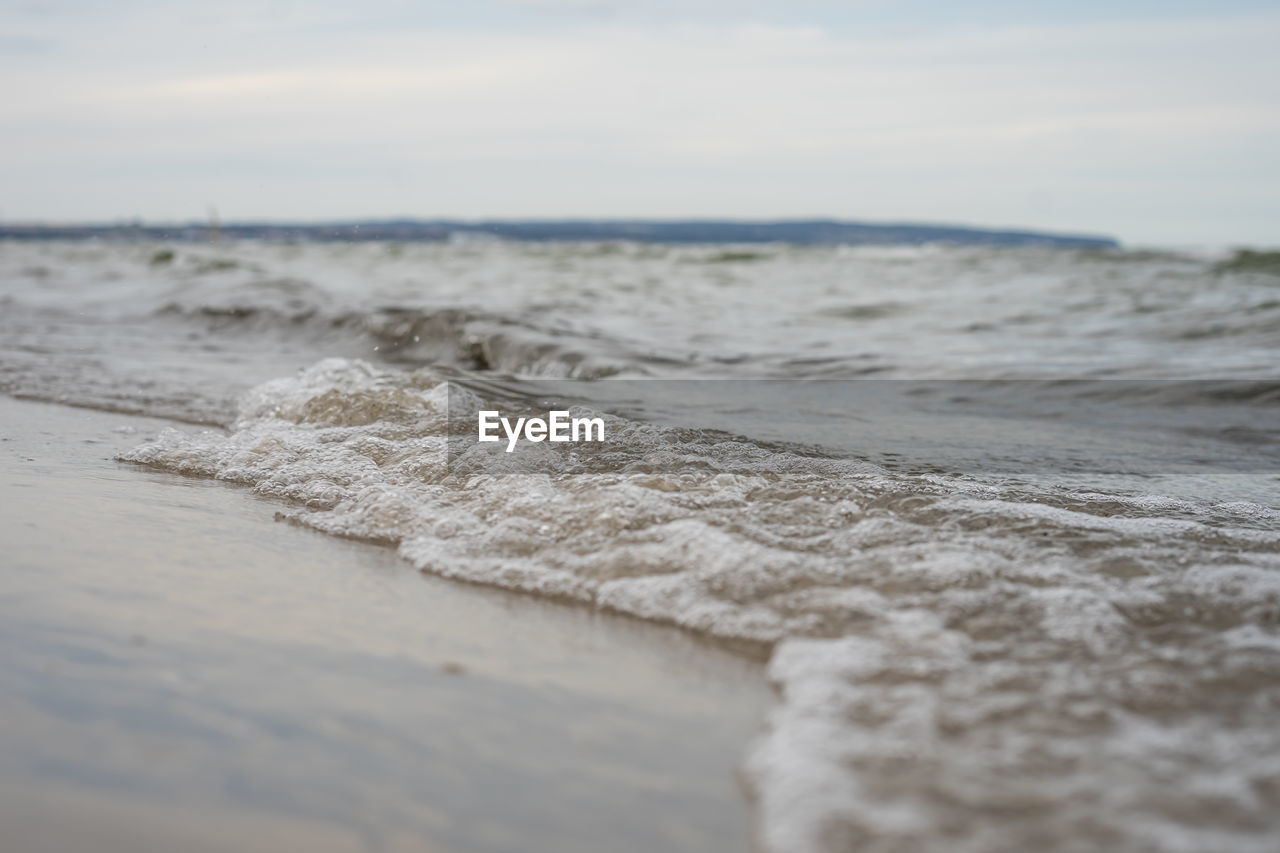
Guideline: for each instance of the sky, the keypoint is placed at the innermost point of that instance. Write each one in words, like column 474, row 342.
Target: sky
column 1154, row 122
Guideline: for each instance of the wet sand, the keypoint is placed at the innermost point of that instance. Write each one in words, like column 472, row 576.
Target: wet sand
column 181, row 671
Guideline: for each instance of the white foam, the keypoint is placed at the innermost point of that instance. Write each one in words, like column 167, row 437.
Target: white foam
column 956, row 672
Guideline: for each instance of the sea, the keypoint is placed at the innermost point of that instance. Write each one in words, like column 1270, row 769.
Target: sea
column 1005, row 522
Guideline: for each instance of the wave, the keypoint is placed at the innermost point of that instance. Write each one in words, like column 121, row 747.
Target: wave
column 949, row 652
column 462, row 338
column 1251, row 261
column 606, row 309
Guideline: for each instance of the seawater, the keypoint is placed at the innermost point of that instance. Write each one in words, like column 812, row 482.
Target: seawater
column 1062, row 631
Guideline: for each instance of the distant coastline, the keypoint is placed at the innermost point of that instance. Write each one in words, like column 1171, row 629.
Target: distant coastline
column 814, row 232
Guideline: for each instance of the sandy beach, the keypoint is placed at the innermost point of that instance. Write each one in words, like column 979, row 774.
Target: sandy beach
column 183, row 671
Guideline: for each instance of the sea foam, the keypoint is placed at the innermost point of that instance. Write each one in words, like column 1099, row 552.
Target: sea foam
column 959, row 669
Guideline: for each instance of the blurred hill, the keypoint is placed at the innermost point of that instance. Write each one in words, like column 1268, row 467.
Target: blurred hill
column 795, row 232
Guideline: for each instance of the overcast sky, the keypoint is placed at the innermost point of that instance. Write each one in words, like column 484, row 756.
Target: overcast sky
column 1157, row 122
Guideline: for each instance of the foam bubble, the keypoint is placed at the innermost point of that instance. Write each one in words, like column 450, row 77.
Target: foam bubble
column 969, row 669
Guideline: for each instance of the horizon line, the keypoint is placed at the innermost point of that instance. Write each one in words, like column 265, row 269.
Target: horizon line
column 681, row 229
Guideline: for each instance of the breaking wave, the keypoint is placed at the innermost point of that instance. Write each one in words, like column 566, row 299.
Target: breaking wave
column 962, row 666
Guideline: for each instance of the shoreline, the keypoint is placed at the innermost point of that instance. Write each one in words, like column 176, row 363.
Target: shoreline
column 173, row 652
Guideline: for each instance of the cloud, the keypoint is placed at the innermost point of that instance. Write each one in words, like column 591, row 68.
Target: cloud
column 749, row 119
column 24, row 45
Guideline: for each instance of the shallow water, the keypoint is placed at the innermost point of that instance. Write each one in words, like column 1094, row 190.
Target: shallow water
column 1060, row 632
column 180, row 672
